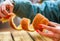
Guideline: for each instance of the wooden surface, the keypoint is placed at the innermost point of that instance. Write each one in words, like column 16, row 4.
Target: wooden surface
column 21, row 36
column 5, row 36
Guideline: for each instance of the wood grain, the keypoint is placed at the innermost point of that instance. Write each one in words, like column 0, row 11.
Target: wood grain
column 21, row 36
column 5, row 36
column 36, row 36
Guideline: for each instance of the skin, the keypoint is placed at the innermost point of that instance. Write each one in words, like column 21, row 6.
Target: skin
column 53, row 31
column 3, row 8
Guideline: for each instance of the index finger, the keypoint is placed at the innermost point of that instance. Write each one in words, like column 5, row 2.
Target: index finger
column 49, row 28
column 1, row 14
column 50, row 35
column 54, row 24
column 4, row 11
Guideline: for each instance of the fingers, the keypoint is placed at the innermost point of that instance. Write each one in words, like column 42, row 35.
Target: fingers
column 7, row 7
column 56, row 40
column 10, row 8
column 53, row 24
column 49, row 28
column 50, row 35
column 1, row 14
column 4, row 11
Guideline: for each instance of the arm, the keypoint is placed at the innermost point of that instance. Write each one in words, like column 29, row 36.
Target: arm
column 23, row 8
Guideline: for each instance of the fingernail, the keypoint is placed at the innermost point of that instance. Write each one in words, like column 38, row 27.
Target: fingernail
column 40, row 27
column 37, row 31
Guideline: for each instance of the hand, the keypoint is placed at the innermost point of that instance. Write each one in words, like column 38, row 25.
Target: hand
column 6, row 7
column 53, row 31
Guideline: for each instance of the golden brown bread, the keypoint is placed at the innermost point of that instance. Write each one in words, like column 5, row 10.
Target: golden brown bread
column 12, row 24
column 6, row 18
column 39, row 19
column 25, row 22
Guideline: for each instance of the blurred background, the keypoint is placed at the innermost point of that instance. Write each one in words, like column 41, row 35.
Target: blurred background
column 40, row 1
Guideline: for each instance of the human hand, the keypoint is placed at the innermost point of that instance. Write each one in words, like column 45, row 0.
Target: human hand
column 53, row 31
column 6, row 8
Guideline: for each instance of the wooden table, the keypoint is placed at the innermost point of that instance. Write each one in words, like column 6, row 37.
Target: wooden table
column 9, row 34
column 13, row 35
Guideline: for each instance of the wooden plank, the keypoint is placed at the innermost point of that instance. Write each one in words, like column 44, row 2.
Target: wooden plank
column 38, row 37
column 46, row 38
column 5, row 36
column 21, row 36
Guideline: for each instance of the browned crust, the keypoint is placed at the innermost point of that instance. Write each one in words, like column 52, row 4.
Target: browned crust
column 39, row 19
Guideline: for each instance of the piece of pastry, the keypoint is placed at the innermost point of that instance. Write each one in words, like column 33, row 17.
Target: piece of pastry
column 25, row 22
column 39, row 19
column 6, row 18
column 13, row 25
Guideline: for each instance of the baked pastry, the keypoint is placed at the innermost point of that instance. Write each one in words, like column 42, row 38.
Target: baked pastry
column 6, row 18
column 39, row 19
column 12, row 24
column 25, row 22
